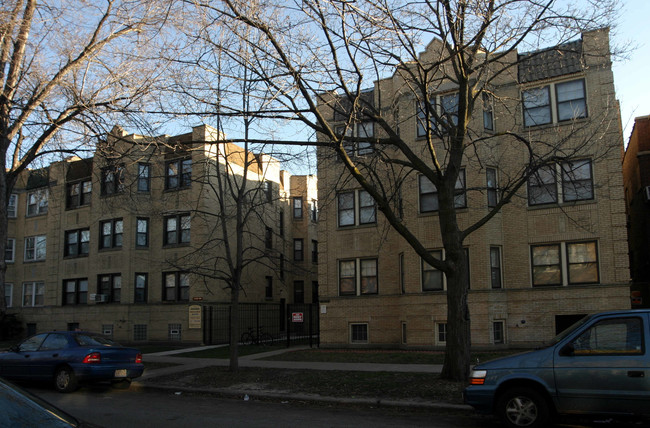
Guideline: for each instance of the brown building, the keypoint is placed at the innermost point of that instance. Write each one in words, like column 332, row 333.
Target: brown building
column 130, row 242
column 554, row 253
column 636, row 179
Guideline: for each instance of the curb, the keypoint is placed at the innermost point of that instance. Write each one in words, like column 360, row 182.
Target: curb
column 268, row 395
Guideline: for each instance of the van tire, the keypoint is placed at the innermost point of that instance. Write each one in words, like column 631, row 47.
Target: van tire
column 523, row 407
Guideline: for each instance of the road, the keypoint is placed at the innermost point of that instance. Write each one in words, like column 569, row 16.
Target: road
column 113, row 408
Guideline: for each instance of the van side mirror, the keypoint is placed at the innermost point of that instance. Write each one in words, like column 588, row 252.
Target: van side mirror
column 567, row 350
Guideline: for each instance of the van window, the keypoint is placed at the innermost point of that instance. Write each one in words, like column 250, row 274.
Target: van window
column 612, row 336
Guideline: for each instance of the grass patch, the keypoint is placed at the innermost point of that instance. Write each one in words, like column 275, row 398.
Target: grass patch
column 377, row 356
column 387, row 385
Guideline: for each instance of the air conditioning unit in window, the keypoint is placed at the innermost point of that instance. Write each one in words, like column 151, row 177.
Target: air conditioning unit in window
column 100, row 298
column 646, row 193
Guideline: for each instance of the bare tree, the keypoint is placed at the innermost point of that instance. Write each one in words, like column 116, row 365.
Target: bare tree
column 325, row 54
column 67, row 69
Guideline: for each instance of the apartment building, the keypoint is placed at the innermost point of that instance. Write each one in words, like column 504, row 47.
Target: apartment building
column 636, row 172
column 557, row 251
column 130, row 242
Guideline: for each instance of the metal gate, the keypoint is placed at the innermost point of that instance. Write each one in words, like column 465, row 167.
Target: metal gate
column 303, row 324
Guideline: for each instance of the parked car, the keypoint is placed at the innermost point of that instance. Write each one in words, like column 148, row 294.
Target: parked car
column 601, row 365
column 70, row 357
column 19, row 408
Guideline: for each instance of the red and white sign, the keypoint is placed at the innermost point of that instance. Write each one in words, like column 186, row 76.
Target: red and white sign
column 296, row 317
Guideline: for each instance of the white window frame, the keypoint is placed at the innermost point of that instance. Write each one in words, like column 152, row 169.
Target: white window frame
column 37, row 289
column 33, row 243
column 38, row 200
column 9, row 294
column 561, row 183
column 424, row 264
column 358, row 196
column 564, row 263
column 438, row 332
column 12, row 206
column 359, row 275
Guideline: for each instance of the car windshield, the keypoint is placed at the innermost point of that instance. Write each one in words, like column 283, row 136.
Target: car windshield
column 566, row 332
column 94, row 340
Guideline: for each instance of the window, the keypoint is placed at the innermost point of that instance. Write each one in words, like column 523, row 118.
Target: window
column 542, row 188
column 314, row 251
column 358, row 277
column 537, row 106
column 429, row 193
column 578, row 259
column 78, row 194
column 488, row 114
column 620, row 336
column 568, row 103
column 176, row 287
column 582, row 260
column 432, row 278
column 402, row 277
column 268, row 238
column 10, row 250
column 12, row 206
column 495, row 267
column 576, row 183
column 110, row 288
column 75, row 291
column 571, row 103
column 281, row 222
column 492, row 187
column 269, row 287
column 112, row 179
column 139, row 332
column 142, row 232
column 268, row 191
column 111, row 233
column 77, row 243
column 33, row 294
column 178, row 174
column 404, row 335
column 281, row 266
column 314, row 291
column 297, row 207
column 313, row 208
column 348, row 215
column 299, row 292
column 174, row 332
column 441, row 333
column 144, row 177
column 498, row 332
column 37, row 202
column 358, row 333
column 35, row 248
column 9, row 295
column 141, row 285
column 298, row 252
column 449, row 109
column 177, row 229
column 547, row 265
column 446, row 106
column 362, row 130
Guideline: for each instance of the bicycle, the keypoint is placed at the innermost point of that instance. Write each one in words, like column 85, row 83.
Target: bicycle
column 256, row 336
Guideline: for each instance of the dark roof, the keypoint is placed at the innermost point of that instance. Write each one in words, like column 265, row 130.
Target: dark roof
column 343, row 105
column 38, row 178
column 79, row 169
column 552, row 62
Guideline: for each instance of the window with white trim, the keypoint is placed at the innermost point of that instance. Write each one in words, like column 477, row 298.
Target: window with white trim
column 428, row 193
column 33, row 294
column 557, row 102
column 565, row 263
column 358, row 277
column 12, row 206
column 492, row 187
column 35, row 248
column 355, row 208
column 441, row 333
column 9, row 295
column 37, row 202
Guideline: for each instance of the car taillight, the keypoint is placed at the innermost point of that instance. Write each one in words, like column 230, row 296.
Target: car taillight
column 138, row 358
column 477, row 377
column 93, row 357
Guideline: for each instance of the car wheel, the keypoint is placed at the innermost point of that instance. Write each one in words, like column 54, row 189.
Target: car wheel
column 121, row 384
column 523, row 407
column 65, row 380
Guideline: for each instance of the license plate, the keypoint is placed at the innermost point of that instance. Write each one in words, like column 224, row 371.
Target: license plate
column 120, row 373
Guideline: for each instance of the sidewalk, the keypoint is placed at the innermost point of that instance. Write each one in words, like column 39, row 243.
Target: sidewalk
column 148, row 379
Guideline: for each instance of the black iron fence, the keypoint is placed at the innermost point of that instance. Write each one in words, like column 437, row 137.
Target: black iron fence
column 290, row 324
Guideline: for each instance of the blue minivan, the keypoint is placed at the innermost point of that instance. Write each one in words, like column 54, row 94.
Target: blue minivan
column 601, row 365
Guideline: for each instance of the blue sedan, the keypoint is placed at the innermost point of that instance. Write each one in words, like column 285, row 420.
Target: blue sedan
column 70, row 357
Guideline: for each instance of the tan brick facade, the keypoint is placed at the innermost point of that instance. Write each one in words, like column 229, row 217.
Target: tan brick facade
column 400, row 313
column 154, row 235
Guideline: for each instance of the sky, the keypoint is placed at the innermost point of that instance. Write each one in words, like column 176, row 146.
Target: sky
column 632, row 76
